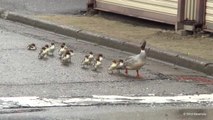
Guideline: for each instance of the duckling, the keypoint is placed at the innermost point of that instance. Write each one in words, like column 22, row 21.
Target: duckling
column 71, row 52
column 137, row 61
column 91, row 58
column 62, row 51
column 64, row 44
column 67, row 58
column 120, row 65
column 51, row 49
column 86, row 61
column 97, row 64
column 31, row 46
column 100, row 56
column 43, row 53
column 113, row 66
column 46, row 46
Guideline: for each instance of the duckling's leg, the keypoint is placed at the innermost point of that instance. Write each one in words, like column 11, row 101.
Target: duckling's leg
column 126, row 71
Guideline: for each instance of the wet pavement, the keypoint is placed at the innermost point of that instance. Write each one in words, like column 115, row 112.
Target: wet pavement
column 22, row 74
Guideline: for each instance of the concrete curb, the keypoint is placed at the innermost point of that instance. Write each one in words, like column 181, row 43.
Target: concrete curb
column 171, row 57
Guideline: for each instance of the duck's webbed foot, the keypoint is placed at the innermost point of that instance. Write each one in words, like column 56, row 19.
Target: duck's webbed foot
column 138, row 75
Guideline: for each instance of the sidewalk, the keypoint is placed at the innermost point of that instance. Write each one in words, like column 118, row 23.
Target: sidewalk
column 131, row 30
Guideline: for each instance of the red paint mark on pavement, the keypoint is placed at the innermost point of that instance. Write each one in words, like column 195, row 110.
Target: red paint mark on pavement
column 200, row 79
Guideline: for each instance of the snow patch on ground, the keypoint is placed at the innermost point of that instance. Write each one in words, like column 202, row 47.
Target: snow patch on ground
column 15, row 102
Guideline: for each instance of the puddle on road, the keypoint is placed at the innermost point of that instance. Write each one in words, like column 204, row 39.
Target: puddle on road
column 168, row 114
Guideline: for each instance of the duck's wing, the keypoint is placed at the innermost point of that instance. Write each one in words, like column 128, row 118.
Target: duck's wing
column 130, row 60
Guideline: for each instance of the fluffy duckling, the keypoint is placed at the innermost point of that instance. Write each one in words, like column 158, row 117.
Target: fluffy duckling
column 43, row 53
column 97, row 64
column 86, row 61
column 51, row 49
column 62, row 51
column 113, row 66
column 46, row 46
column 67, row 58
column 71, row 52
column 64, row 44
column 120, row 65
column 91, row 58
column 100, row 56
column 31, row 46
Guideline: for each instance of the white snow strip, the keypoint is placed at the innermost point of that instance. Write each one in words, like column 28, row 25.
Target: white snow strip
column 91, row 100
column 162, row 99
column 30, row 102
column 8, row 102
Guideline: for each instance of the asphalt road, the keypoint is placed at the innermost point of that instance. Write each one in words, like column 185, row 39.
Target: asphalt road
column 44, row 6
column 22, row 74
column 109, row 113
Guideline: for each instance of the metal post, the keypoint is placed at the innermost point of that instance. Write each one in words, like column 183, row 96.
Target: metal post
column 201, row 6
column 180, row 15
column 90, row 4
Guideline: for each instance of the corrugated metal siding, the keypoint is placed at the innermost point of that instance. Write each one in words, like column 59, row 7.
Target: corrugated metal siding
column 209, row 14
column 164, row 7
column 190, row 9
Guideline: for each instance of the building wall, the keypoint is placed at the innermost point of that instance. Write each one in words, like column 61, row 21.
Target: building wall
column 181, row 13
column 158, row 10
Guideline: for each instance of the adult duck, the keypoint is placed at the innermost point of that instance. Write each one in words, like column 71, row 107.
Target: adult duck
column 135, row 62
